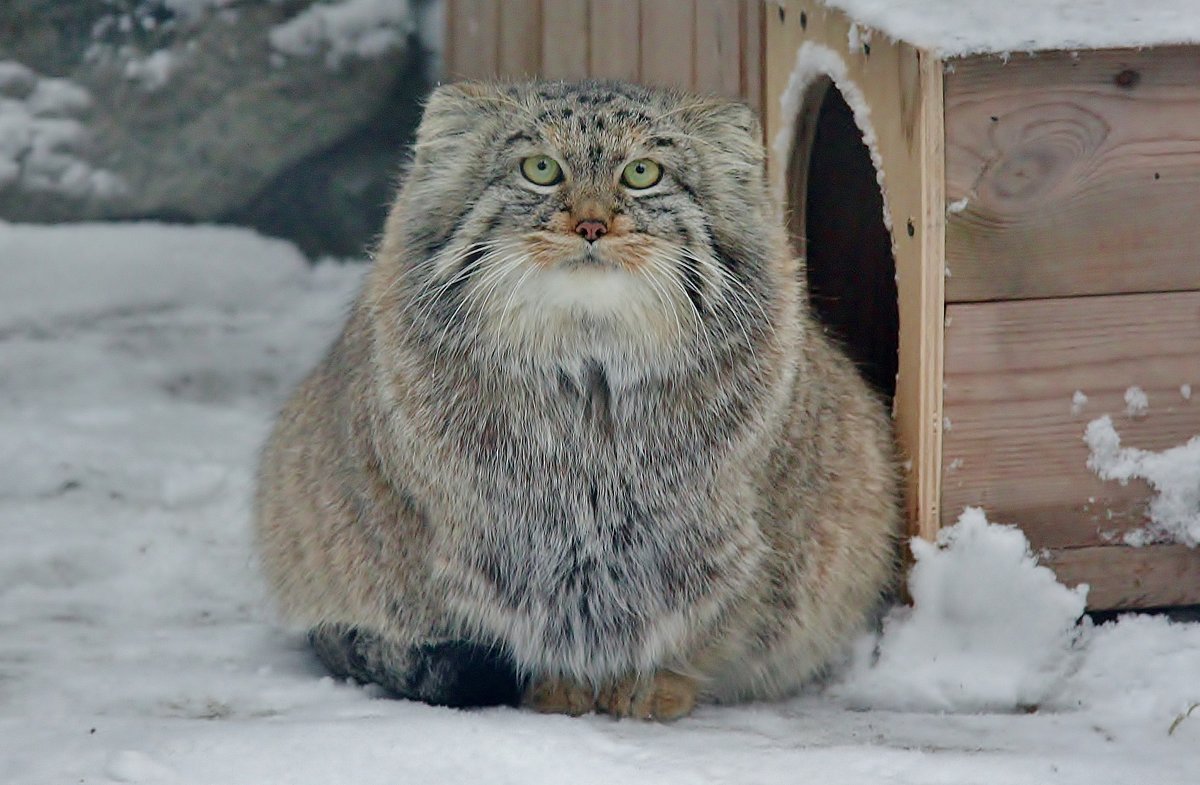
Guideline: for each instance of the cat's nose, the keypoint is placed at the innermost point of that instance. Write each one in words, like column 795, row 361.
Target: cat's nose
column 591, row 230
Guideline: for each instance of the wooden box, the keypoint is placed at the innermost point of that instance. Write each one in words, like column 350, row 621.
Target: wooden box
column 988, row 233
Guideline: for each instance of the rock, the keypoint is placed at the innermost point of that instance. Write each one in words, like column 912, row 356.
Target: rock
column 289, row 116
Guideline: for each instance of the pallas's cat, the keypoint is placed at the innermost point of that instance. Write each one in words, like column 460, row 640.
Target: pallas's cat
column 581, row 444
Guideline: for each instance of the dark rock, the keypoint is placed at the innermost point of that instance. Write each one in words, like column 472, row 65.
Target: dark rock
column 199, row 119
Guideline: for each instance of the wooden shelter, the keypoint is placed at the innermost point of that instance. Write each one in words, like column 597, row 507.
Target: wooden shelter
column 1006, row 243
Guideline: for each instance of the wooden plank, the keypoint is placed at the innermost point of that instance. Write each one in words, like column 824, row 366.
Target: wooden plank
column 615, row 39
column 472, row 28
column 565, row 39
column 1014, row 440
column 521, row 39
column 753, row 52
column 718, row 47
column 1081, row 174
column 1156, row 576
column 667, row 47
column 902, row 86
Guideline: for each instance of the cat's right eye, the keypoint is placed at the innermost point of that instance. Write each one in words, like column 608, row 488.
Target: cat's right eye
column 541, row 170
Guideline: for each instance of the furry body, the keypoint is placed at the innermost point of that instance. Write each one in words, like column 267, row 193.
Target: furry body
column 597, row 462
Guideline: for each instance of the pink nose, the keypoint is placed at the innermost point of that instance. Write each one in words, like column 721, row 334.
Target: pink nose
column 591, row 230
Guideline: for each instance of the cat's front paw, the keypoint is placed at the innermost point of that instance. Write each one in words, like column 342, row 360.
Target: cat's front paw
column 663, row 697
column 560, row 696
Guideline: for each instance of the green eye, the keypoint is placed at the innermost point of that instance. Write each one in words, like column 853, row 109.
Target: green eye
column 541, row 170
column 641, row 174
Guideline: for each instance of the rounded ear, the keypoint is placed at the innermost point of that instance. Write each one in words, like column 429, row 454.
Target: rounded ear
column 715, row 113
column 453, row 109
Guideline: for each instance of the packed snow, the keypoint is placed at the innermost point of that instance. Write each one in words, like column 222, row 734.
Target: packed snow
column 140, row 366
column 42, row 141
column 963, row 27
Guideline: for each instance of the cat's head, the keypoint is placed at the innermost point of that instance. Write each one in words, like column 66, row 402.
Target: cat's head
column 561, row 219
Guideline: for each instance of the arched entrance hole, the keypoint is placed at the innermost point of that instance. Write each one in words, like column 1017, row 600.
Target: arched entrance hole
column 836, row 222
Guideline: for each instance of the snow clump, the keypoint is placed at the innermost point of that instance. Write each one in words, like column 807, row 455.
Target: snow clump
column 1173, row 473
column 989, row 628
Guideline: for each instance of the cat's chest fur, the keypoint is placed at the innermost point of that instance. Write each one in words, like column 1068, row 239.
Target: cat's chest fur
column 592, row 522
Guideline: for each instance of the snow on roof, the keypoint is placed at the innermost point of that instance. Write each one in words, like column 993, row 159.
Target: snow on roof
column 963, row 27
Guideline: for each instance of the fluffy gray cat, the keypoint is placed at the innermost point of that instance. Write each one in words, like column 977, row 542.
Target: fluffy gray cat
column 581, row 444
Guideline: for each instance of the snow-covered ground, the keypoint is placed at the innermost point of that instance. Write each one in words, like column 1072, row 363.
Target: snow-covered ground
column 139, row 368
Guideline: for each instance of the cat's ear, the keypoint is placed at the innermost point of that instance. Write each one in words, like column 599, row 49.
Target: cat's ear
column 452, row 109
column 716, row 114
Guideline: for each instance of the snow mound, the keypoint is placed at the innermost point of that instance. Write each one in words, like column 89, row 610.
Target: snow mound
column 95, row 269
column 1173, row 473
column 989, row 629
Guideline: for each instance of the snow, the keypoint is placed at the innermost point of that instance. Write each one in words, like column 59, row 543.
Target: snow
column 989, row 629
column 1174, row 474
column 350, row 28
column 139, row 368
column 1078, row 401
column 41, row 139
column 1137, row 403
column 814, row 61
column 962, row 27
column 153, row 71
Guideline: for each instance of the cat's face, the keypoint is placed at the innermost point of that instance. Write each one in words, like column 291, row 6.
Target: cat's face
column 561, row 214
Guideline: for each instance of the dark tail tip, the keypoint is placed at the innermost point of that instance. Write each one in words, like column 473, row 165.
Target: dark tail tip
column 462, row 674
column 459, row 674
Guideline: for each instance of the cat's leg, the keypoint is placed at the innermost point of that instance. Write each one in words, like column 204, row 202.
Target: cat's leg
column 664, row 696
column 454, row 673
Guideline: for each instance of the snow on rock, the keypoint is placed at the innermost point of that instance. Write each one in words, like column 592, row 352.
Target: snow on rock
column 1174, row 474
column 41, row 139
column 962, row 27
column 989, row 629
column 153, row 71
column 350, row 28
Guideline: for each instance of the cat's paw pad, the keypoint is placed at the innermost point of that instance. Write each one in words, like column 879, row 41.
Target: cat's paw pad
column 664, row 697
column 558, row 696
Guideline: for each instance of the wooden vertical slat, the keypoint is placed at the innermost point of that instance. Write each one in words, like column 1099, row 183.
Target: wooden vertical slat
column 753, row 52
column 565, row 39
column 668, row 35
column 472, row 27
column 520, row 38
column 902, row 86
column 615, row 39
column 718, row 47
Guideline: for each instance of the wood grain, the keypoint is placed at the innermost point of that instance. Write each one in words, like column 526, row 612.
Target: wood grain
column 718, row 47
column 565, row 39
column 668, row 43
column 472, row 28
column 903, row 87
column 615, row 39
column 520, row 54
column 753, row 52
column 1081, row 174
column 1156, row 576
column 1014, row 442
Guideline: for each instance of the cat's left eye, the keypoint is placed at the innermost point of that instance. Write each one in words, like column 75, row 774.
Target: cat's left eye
column 641, row 174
